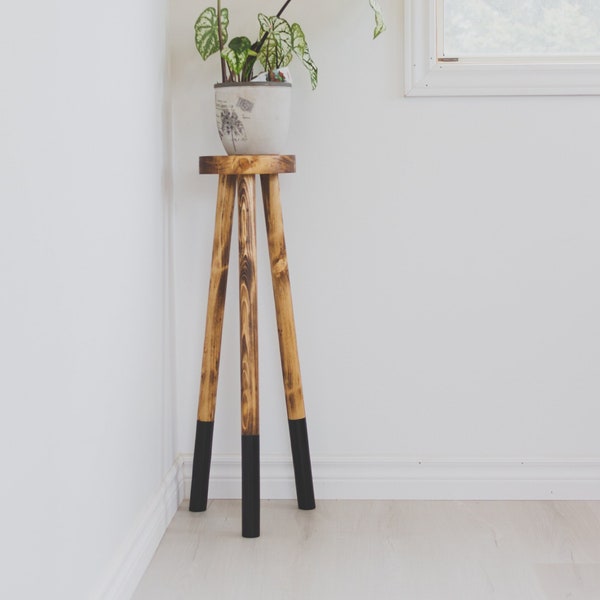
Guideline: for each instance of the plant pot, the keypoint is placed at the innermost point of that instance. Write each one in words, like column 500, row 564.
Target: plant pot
column 253, row 118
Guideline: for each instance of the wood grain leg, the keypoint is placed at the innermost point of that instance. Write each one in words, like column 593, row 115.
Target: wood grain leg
column 249, row 357
column 212, row 342
column 288, row 347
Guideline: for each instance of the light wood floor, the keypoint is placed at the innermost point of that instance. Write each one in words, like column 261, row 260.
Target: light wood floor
column 379, row 550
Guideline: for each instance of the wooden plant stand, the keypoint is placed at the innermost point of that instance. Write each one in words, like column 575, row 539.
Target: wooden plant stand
column 239, row 173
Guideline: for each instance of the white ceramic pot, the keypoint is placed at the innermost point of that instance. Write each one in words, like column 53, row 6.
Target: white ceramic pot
column 253, row 118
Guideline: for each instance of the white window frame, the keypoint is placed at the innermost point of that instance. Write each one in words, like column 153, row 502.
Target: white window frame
column 425, row 75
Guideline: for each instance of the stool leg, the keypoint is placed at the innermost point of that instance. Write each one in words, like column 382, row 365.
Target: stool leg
column 212, row 343
column 290, row 362
column 249, row 357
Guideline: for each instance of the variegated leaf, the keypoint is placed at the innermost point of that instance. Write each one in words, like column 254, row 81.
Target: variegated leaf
column 237, row 53
column 207, row 31
column 300, row 48
column 277, row 51
column 379, row 24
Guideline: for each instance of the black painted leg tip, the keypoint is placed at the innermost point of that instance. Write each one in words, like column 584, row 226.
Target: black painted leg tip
column 201, row 466
column 250, row 486
column 302, row 467
column 250, row 534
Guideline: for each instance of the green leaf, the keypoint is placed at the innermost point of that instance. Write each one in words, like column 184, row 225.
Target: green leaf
column 379, row 24
column 237, row 53
column 207, row 31
column 300, row 48
column 277, row 51
column 240, row 45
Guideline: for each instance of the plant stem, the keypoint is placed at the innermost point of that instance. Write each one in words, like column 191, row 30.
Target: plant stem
column 283, row 8
column 223, row 70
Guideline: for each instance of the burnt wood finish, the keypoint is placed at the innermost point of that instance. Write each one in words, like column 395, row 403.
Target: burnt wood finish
column 212, row 342
column 216, row 299
column 290, row 364
column 249, row 357
column 247, row 164
column 238, row 173
column 248, row 304
column 288, row 347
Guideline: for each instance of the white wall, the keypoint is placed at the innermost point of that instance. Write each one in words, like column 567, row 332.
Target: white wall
column 443, row 252
column 85, row 437
column 444, row 257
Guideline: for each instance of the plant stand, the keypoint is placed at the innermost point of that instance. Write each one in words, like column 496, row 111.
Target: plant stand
column 238, row 173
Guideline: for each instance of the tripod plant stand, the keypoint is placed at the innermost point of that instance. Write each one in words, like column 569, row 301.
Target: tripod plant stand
column 238, row 174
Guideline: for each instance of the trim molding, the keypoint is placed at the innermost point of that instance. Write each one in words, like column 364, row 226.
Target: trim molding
column 351, row 478
column 425, row 75
column 138, row 548
column 389, row 478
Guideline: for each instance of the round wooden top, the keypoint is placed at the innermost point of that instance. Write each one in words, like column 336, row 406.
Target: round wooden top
column 248, row 164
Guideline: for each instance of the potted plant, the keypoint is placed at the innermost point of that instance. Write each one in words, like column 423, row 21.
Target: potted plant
column 252, row 108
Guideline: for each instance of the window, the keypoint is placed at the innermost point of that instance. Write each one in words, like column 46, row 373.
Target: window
column 502, row 47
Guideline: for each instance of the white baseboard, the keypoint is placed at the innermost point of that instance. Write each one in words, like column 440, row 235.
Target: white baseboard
column 137, row 550
column 359, row 478
column 351, row 478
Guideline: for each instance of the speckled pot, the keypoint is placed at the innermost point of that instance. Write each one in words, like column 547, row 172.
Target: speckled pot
column 253, row 118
